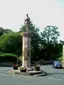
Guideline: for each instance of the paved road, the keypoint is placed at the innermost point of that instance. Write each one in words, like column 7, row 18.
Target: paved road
column 55, row 77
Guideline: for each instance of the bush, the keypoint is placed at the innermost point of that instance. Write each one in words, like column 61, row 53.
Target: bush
column 8, row 57
column 15, row 67
column 23, row 69
column 37, row 68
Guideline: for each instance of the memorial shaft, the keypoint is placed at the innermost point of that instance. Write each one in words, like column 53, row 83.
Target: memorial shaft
column 26, row 46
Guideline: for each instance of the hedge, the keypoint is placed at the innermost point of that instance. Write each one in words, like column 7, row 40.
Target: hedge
column 8, row 57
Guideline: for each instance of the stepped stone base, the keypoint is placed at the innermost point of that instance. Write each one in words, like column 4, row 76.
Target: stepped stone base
column 30, row 73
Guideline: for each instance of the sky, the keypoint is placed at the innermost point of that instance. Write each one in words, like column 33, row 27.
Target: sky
column 41, row 12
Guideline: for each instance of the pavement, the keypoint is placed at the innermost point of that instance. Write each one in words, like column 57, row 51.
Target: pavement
column 54, row 77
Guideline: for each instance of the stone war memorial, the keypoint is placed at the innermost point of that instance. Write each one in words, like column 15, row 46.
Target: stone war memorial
column 26, row 45
column 26, row 67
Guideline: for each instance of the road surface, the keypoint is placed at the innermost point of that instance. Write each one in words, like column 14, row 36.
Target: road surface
column 54, row 77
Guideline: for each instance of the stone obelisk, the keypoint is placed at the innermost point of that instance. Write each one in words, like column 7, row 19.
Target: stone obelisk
column 26, row 45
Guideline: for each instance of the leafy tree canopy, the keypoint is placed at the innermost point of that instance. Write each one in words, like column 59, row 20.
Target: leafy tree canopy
column 4, row 31
column 11, row 42
column 50, row 34
column 1, row 31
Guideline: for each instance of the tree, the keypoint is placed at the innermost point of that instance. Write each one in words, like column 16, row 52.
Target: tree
column 7, row 31
column 4, row 31
column 1, row 31
column 35, row 40
column 11, row 43
column 50, row 34
column 49, row 42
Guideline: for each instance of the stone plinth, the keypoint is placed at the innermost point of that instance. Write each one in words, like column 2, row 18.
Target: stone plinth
column 26, row 50
column 28, row 73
